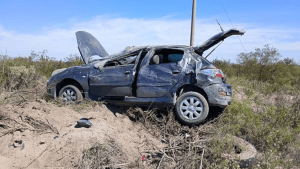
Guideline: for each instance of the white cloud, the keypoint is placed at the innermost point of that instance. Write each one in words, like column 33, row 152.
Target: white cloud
column 115, row 33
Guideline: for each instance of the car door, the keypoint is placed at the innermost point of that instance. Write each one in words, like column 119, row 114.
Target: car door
column 111, row 81
column 156, row 80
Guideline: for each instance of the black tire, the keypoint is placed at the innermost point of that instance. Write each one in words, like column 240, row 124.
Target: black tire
column 70, row 94
column 191, row 113
column 247, row 157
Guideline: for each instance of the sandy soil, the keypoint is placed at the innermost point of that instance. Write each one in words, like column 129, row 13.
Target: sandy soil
column 50, row 139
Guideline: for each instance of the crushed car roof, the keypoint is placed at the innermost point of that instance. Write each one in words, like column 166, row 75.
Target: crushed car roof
column 89, row 46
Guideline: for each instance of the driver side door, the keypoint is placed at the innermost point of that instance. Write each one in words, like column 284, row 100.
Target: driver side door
column 112, row 81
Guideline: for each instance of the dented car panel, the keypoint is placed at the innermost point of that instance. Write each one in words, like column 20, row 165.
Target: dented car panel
column 214, row 97
column 112, row 82
column 150, row 83
column 78, row 74
column 145, row 75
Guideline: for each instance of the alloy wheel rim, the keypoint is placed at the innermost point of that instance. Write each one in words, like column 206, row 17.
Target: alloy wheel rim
column 191, row 108
column 69, row 96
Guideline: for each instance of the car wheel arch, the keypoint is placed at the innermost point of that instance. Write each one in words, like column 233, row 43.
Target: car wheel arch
column 191, row 88
column 68, row 81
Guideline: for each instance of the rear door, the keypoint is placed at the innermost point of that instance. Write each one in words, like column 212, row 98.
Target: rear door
column 156, row 80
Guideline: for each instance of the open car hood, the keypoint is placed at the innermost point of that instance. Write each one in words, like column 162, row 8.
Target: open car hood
column 218, row 38
column 89, row 46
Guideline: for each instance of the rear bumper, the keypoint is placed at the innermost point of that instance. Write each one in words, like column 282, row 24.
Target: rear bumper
column 213, row 93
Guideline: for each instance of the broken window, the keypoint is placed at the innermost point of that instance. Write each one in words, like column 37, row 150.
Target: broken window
column 128, row 60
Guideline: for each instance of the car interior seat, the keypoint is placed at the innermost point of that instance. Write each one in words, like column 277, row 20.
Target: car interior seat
column 156, row 59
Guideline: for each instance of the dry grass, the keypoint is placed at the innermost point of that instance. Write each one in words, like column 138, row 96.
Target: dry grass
column 186, row 147
column 12, row 122
column 105, row 155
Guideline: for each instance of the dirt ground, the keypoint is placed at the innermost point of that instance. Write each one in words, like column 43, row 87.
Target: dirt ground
column 43, row 135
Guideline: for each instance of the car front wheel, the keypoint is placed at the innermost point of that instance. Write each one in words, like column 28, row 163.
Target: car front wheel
column 70, row 94
column 191, row 108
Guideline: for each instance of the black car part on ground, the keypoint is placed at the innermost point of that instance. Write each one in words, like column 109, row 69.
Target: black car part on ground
column 245, row 153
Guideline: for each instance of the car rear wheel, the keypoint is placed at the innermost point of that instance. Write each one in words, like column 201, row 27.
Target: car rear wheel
column 70, row 94
column 191, row 108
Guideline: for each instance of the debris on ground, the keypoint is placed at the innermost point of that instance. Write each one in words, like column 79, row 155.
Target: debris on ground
column 38, row 134
column 84, row 122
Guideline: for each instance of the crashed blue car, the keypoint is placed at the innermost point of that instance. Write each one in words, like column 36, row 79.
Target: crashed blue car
column 165, row 76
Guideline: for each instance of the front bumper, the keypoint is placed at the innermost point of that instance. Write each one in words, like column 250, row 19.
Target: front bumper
column 51, row 90
column 215, row 98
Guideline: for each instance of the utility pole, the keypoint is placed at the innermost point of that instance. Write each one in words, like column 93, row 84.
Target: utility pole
column 193, row 23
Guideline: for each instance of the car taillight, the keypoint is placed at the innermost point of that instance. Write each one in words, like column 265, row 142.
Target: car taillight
column 219, row 75
column 213, row 72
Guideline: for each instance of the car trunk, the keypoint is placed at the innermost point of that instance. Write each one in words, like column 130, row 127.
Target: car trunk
column 216, row 39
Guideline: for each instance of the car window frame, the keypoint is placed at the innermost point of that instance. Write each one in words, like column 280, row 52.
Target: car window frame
column 154, row 49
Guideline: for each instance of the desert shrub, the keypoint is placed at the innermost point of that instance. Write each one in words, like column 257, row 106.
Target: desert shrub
column 260, row 63
column 263, row 65
column 105, row 155
column 26, row 77
column 20, row 77
column 45, row 64
column 274, row 132
column 37, row 63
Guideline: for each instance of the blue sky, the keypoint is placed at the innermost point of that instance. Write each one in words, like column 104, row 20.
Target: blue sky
column 37, row 25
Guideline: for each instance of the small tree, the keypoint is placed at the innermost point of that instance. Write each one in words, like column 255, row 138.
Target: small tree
column 260, row 64
column 289, row 61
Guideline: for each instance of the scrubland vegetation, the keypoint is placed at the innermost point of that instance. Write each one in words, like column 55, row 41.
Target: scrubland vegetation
column 267, row 113
column 265, row 110
column 19, row 72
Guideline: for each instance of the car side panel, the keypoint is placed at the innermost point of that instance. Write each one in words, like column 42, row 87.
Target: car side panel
column 157, row 80
column 78, row 73
column 112, row 81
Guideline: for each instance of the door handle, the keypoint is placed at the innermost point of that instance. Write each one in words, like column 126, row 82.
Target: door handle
column 127, row 72
column 176, row 72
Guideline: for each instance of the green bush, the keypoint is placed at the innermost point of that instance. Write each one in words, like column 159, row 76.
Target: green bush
column 263, row 65
column 20, row 77
column 274, row 132
column 19, row 71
